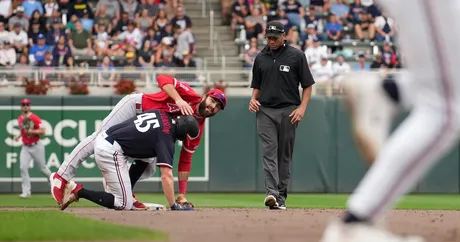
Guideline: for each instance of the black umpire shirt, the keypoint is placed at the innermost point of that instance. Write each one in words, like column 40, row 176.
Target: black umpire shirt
column 278, row 73
column 149, row 134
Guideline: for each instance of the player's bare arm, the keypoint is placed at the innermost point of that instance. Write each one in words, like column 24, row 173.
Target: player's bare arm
column 254, row 104
column 40, row 131
column 298, row 113
column 167, row 181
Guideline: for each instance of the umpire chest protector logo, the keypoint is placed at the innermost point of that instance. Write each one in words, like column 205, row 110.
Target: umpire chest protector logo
column 284, row 68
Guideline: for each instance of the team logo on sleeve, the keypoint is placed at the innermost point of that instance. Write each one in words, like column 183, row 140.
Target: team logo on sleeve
column 284, row 68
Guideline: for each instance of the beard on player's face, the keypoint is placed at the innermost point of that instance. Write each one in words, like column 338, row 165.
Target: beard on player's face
column 208, row 107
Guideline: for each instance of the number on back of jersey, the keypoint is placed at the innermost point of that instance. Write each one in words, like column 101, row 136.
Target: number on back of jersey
column 146, row 121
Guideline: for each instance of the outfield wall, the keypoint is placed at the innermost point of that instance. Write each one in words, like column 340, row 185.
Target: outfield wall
column 229, row 160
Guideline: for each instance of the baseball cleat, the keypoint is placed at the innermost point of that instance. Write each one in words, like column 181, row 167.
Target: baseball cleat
column 57, row 187
column 338, row 231
column 372, row 112
column 24, row 195
column 138, row 205
column 70, row 194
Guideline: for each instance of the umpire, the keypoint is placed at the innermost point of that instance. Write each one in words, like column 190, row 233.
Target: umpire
column 277, row 72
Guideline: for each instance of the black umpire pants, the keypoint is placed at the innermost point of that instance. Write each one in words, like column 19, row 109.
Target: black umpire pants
column 277, row 135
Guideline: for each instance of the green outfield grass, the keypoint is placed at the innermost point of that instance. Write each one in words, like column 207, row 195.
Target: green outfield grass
column 229, row 200
column 42, row 226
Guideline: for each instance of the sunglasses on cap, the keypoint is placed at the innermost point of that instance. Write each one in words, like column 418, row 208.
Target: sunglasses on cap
column 25, row 104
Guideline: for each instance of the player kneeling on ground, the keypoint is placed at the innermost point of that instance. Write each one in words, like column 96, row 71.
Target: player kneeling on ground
column 150, row 134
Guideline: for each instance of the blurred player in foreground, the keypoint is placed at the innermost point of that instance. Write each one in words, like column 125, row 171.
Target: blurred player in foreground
column 32, row 148
column 432, row 128
column 150, row 134
column 176, row 98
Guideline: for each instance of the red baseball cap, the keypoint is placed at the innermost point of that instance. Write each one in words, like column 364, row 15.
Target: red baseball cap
column 219, row 95
column 25, row 101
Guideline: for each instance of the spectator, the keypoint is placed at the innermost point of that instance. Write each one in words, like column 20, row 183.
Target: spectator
column 322, row 71
column 48, row 60
column 255, row 25
column 101, row 43
column 71, row 24
column 19, row 39
column 341, row 10
column 50, row 7
column 80, row 40
column 78, row 7
column 37, row 51
column 36, row 17
column 4, row 34
column 340, row 68
column 164, row 54
column 311, row 34
column 131, row 36
column 389, row 56
column 7, row 55
column 181, row 19
column 378, row 62
column 61, row 51
column 106, row 70
column 20, row 19
column 320, row 5
column 333, row 29
column 185, row 42
column 285, row 21
column 240, row 10
column 6, row 9
column 166, row 60
column 250, row 54
column 187, row 62
column 311, row 18
column 130, row 6
column 385, row 28
column 64, row 7
column 294, row 12
column 373, row 10
column 364, row 23
column 314, row 52
column 55, row 18
column 120, row 26
column 168, row 33
column 86, row 22
column 161, row 21
column 354, row 16
column 154, row 37
column 146, row 55
column 30, row 6
column 112, row 8
column 55, row 33
column 362, row 65
column 24, row 70
column 33, row 33
column 149, row 5
column 132, row 65
column 103, row 19
column 258, row 4
column 143, row 22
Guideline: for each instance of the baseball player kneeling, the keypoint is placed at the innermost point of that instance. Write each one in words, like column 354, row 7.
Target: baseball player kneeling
column 150, row 134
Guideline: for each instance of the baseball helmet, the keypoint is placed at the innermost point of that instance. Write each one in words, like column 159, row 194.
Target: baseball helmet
column 187, row 125
column 25, row 101
column 220, row 96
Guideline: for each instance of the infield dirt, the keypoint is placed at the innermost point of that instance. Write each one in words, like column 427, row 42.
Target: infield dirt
column 230, row 225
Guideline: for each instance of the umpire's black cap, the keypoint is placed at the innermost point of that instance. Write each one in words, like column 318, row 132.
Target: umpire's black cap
column 187, row 125
column 274, row 29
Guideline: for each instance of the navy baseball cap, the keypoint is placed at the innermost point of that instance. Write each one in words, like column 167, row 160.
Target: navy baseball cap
column 274, row 29
column 40, row 36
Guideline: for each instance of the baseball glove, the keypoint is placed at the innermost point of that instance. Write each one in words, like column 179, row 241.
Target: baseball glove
column 183, row 202
column 27, row 124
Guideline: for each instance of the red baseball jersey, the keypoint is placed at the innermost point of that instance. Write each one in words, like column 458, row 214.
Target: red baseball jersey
column 162, row 101
column 27, row 140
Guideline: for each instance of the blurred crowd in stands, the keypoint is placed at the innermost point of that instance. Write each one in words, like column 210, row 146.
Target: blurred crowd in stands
column 310, row 23
column 62, row 33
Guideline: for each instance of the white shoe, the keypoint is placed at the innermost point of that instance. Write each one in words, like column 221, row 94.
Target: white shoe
column 25, row 195
column 372, row 111
column 337, row 231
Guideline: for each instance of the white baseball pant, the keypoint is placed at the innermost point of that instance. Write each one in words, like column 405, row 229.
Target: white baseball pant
column 124, row 110
column 37, row 154
column 431, row 47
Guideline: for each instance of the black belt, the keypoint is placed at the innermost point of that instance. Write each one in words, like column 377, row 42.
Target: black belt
column 110, row 140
